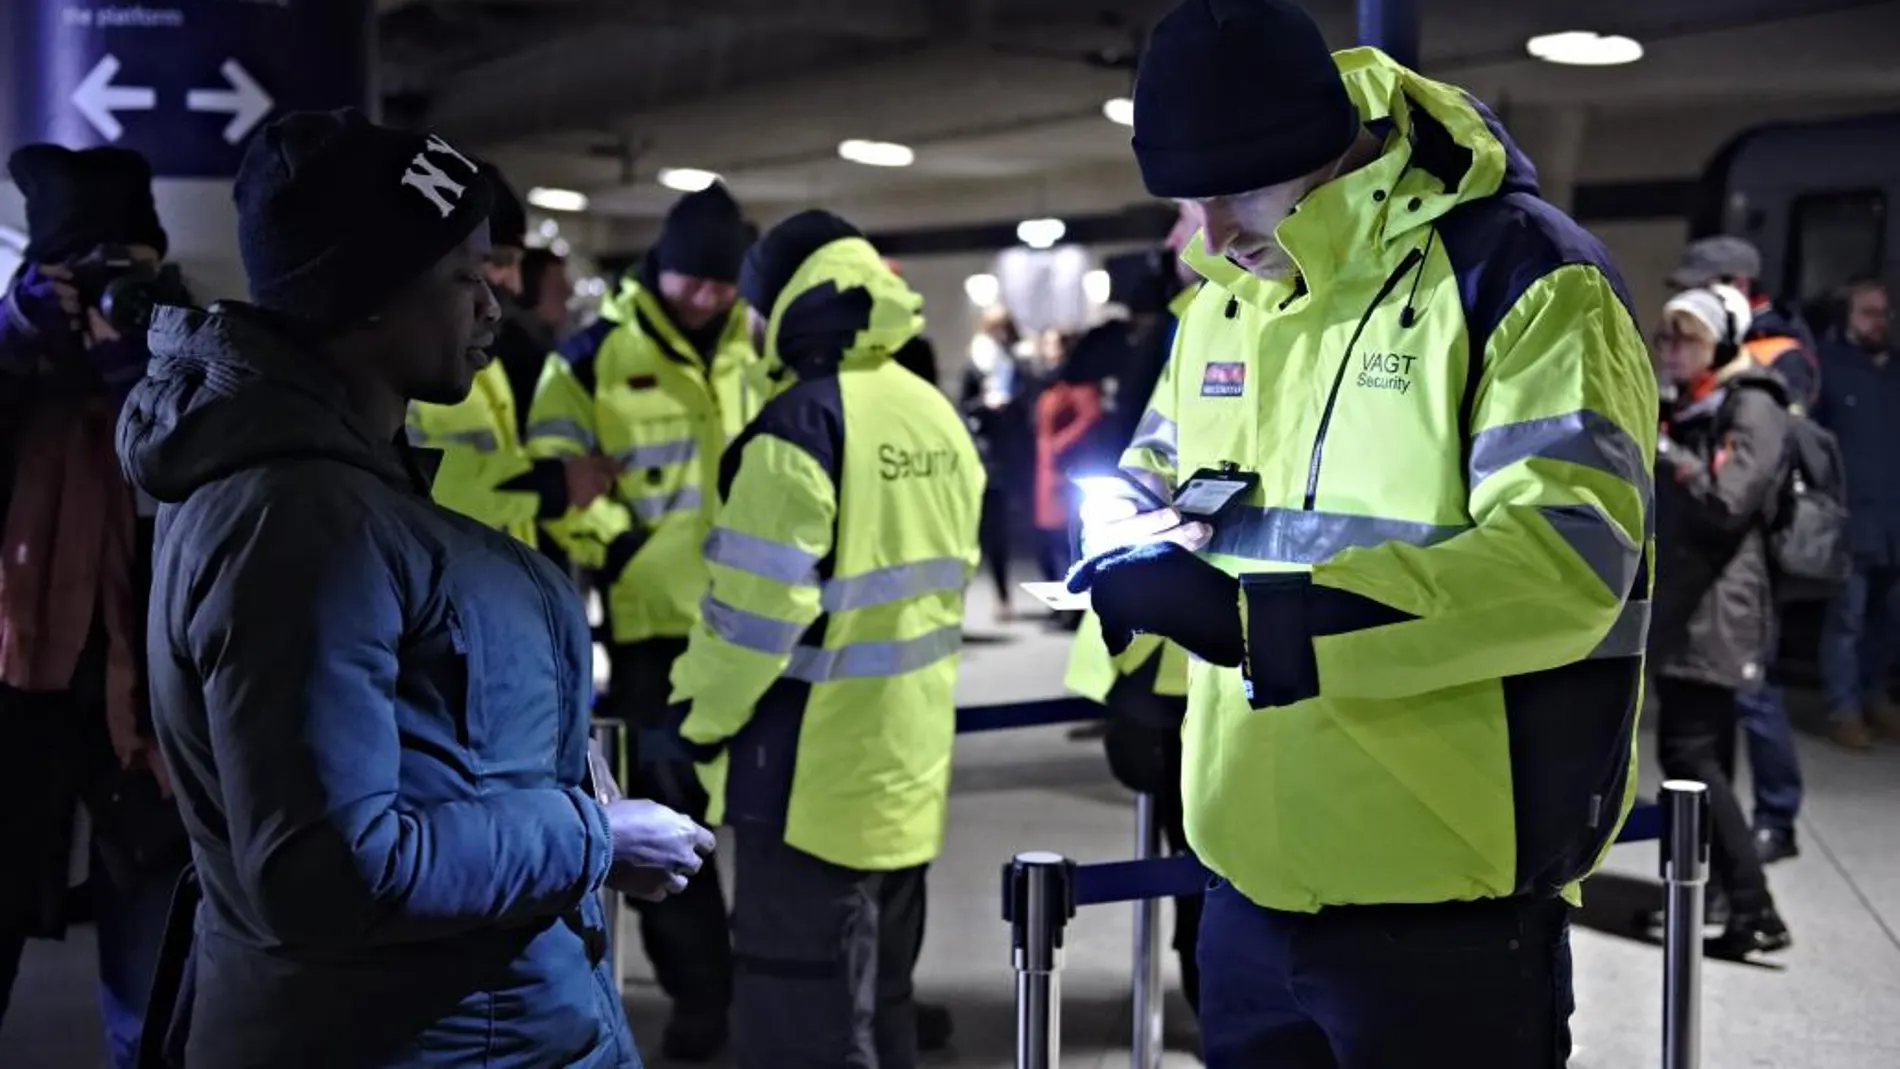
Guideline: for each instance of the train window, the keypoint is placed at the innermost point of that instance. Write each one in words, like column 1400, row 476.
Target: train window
column 1833, row 238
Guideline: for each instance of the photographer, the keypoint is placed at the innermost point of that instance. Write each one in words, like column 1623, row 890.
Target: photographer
column 74, row 561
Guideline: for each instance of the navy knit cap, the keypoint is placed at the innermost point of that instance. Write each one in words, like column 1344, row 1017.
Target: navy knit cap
column 704, row 236
column 78, row 201
column 770, row 264
column 1237, row 95
column 337, row 214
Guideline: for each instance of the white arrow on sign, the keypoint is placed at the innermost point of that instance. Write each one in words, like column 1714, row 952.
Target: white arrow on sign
column 246, row 102
column 97, row 98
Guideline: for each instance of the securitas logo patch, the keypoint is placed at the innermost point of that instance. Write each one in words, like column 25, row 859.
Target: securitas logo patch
column 1224, row 380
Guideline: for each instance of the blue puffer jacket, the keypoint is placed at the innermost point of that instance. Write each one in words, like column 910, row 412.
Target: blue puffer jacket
column 375, row 714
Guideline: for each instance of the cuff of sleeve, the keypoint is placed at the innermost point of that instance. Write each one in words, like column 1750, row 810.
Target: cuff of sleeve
column 700, row 752
column 598, row 851
column 1280, row 667
column 620, row 553
column 548, row 479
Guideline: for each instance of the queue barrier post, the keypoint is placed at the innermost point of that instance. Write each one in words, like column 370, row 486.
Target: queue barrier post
column 1038, row 902
column 1685, row 872
column 1145, row 1050
column 610, row 736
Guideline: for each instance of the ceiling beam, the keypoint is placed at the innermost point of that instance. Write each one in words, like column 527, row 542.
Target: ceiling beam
column 883, row 20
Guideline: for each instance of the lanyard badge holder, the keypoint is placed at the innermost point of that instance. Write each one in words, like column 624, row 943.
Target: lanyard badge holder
column 1212, row 495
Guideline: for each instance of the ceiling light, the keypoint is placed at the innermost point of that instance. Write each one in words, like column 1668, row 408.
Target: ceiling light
column 1096, row 286
column 1120, row 110
column 1040, row 233
column 557, row 200
column 687, row 179
column 982, row 290
column 1582, row 48
column 559, row 248
column 877, row 153
column 549, row 230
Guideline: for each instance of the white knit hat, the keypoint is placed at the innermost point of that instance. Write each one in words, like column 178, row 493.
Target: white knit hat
column 1723, row 309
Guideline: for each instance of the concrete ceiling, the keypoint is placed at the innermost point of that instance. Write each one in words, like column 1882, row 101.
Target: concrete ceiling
column 598, row 95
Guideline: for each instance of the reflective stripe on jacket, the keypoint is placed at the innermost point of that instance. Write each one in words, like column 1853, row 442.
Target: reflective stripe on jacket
column 825, row 662
column 1445, row 565
column 632, row 387
column 480, row 453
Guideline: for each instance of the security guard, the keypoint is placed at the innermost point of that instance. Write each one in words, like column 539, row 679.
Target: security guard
column 659, row 385
column 818, row 687
column 486, row 473
column 1415, row 410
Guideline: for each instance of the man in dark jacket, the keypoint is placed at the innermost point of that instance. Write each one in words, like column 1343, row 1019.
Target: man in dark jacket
column 1719, row 466
column 374, row 710
column 1860, row 403
column 1778, row 342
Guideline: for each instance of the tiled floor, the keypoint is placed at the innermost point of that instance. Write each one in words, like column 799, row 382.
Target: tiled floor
column 1831, row 1003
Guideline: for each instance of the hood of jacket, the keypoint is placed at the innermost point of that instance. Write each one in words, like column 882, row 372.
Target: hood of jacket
column 845, row 304
column 1443, row 148
column 228, row 390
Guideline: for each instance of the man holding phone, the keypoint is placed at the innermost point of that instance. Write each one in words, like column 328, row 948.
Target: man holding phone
column 1406, row 443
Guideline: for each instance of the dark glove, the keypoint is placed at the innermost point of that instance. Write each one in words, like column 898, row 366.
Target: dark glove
column 35, row 313
column 1162, row 589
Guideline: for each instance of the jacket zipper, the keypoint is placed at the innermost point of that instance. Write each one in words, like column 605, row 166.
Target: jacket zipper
column 1332, row 397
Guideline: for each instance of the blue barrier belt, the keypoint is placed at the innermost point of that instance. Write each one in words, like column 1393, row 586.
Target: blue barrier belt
column 1182, row 874
column 659, row 746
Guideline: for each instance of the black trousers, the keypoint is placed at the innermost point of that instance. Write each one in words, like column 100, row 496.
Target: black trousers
column 825, row 958
column 1695, row 739
column 1460, row 985
column 992, row 534
column 686, row 936
column 1143, row 743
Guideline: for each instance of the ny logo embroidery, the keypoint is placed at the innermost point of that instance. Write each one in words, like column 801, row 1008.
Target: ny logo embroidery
column 434, row 183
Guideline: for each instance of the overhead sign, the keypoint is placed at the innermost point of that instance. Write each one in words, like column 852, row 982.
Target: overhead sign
column 184, row 82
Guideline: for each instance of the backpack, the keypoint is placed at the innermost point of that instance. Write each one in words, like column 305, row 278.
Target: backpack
column 1808, row 546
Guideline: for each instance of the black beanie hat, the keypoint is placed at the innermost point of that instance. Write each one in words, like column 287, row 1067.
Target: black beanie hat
column 770, row 264
column 704, row 236
column 77, row 201
column 507, row 220
column 335, row 214
column 1237, row 95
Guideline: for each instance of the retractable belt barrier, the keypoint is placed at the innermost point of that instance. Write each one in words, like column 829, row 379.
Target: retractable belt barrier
column 1042, row 891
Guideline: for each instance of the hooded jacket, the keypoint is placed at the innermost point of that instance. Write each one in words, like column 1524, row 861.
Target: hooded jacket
column 375, row 715
column 1444, row 573
column 819, row 681
column 1717, row 487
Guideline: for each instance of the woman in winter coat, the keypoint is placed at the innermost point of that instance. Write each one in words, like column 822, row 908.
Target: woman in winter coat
column 1720, row 468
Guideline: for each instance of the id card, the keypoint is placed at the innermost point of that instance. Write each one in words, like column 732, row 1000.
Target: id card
column 1057, row 596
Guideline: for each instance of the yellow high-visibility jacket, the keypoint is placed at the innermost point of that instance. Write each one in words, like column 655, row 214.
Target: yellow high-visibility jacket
column 1445, row 567
column 821, row 674
column 631, row 387
column 485, row 472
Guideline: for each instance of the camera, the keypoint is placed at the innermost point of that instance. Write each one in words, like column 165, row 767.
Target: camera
column 125, row 290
